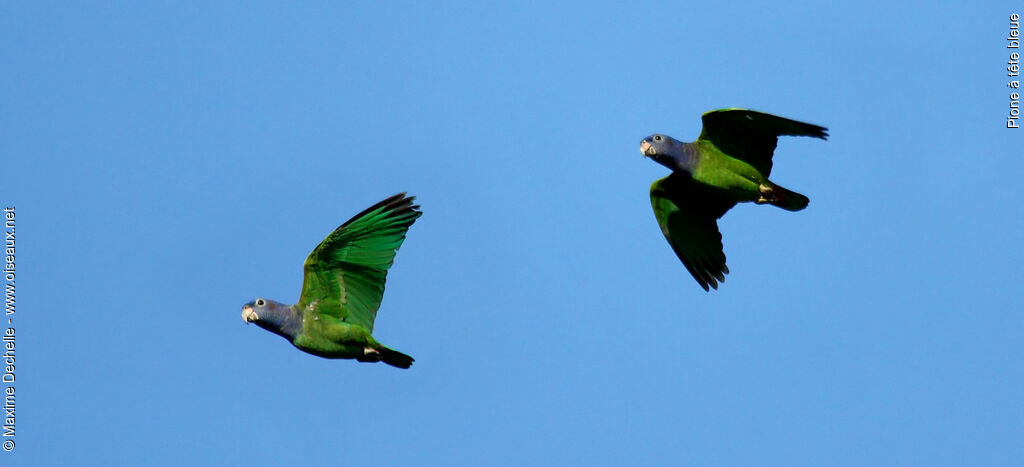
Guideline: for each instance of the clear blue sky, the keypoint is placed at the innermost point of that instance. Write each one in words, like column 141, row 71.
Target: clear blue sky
column 170, row 162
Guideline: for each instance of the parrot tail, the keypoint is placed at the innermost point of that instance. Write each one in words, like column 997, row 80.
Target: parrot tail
column 783, row 198
column 395, row 358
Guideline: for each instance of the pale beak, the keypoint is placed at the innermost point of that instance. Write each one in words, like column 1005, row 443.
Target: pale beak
column 248, row 314
column 645, row 148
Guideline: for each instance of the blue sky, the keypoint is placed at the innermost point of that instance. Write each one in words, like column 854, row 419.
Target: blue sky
column 171, row 161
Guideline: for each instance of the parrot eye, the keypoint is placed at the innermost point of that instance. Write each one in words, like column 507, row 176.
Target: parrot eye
column 657, row 138
column 260, row 302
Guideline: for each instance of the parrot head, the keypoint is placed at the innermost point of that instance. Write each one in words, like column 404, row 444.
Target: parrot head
column 666, row 151
column 278, row 318
column 261, row 308
column 656, row 146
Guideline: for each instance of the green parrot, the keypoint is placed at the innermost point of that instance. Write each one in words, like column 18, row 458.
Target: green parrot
column 729, row 163
column 342, row 288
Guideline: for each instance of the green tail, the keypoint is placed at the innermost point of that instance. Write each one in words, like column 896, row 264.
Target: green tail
column 788, row 200
column 395, row 358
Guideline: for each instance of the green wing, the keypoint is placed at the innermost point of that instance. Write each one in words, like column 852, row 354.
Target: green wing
column 751, row 136
column 347, row 270
column 688, row 215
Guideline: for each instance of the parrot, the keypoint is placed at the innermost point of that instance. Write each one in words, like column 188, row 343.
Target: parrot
column 342, row 288
column 729, row 163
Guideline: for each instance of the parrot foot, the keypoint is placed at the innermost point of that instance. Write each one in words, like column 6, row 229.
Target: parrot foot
column 370, row 354
column 766, row 195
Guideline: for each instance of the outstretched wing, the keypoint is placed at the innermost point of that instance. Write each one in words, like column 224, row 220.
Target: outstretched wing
column 347, row 270
column 688, row 215
column 751, row 136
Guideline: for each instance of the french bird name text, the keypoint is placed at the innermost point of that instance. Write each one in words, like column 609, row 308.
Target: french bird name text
column 1013, row 71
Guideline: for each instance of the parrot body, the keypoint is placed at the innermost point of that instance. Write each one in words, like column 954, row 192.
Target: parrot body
column 343, row 287
column 729, row 163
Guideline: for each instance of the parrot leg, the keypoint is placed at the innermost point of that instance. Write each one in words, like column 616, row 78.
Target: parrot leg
column 781, row 197
column 766, row 194
column 370, row 354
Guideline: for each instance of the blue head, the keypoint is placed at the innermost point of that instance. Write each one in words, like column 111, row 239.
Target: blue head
column 667, row 151
column 278, row 318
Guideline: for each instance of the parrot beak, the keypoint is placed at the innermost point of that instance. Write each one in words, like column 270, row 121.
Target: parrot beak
column 249, row 315
column 645, row 148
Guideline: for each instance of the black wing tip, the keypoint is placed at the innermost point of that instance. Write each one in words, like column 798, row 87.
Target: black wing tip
column 807, row 129
column 707, row 275
column 816, row 131
column 401, row 203
column 396, row 205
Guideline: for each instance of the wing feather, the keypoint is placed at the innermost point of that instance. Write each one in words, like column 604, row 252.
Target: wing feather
column 346, row 272
column 688, row 215
column 751, row 136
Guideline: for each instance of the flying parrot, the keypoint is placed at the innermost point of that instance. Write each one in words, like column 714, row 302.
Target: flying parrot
column 342, row 288
column 729, row 163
